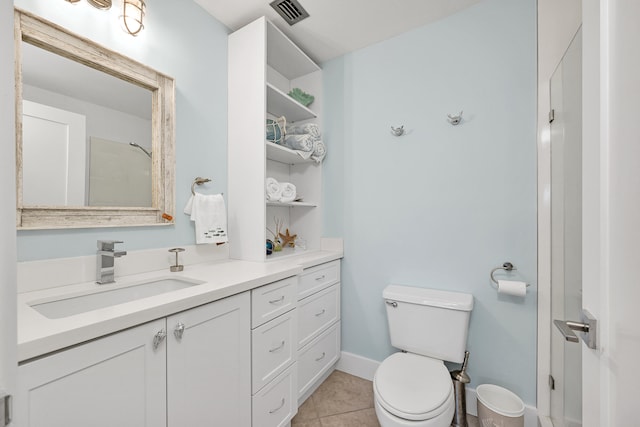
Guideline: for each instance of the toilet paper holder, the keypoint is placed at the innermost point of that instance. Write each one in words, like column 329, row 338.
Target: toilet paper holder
column 507, row 266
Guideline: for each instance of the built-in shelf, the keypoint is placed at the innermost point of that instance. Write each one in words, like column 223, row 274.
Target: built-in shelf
column 259, row 84
column 293, row 204
column 281, row 104
column 285, row 56
column 285, row 155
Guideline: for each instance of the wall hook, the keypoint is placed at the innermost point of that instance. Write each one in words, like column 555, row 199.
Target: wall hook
column 397, row 131
column 456, row 119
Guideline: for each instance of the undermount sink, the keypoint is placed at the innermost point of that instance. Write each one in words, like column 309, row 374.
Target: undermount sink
column 68, row 306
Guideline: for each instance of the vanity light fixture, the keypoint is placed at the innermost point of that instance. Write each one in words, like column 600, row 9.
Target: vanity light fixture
column 98, row 4
column 132, row 15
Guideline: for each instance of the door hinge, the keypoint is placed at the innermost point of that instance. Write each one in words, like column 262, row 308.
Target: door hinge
column 6, row 408
column 552, row 383
column 552, row 115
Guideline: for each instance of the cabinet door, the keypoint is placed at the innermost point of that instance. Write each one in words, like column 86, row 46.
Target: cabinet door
column 209, row 365
column 118, row 380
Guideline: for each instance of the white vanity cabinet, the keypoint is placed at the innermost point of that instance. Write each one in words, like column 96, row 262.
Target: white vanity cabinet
column 319, row 325
column 118, row 380
column 208, row 365
column 274, row 352
column 189, row 369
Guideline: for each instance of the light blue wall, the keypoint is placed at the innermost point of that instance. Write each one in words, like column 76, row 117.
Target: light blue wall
column 443, row 205
column 183, row 41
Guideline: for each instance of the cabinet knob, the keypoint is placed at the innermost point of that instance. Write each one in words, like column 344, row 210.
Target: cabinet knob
column 320, row 277
column 158, row 338
column 320, row 313
column 321, row 357
column 179, row 331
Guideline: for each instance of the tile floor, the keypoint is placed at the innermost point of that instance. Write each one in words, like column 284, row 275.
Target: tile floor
column 343, row 400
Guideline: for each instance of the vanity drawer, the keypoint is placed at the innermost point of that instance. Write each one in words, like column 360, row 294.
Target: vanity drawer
column 273, row 349
column 319, row 277
column 277, row 403
column 270, row 301
column 317, row 357
column 318, row 312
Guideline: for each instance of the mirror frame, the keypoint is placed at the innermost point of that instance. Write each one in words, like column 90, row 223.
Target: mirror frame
column 46, row 35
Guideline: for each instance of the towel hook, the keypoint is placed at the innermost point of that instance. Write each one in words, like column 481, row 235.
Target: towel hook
column 198, row 181
column 455, row 119
column 397, row 131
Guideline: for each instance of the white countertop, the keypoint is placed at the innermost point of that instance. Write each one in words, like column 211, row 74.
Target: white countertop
column 38, row 335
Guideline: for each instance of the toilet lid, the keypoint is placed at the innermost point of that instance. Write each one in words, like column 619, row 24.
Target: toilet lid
column 413, row 387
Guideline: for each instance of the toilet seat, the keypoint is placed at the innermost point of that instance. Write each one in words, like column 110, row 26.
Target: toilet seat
column 413, row 387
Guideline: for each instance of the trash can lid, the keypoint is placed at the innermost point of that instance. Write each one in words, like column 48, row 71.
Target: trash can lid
column 500, row 400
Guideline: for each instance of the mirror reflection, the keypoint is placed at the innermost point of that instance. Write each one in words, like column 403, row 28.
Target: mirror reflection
column 87, row 136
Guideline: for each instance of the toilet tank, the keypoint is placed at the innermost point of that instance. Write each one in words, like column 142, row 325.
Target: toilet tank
column 429, row 322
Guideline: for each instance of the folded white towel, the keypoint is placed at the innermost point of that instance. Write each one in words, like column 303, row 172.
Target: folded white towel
column 306, row 128
column 304, row 142
column 288, row 192
column 319, row 152
column 188, row 206
column 273, row 190
column 210, row 216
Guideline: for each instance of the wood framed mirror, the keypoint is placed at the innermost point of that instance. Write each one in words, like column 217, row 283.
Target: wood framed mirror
column 51, row 192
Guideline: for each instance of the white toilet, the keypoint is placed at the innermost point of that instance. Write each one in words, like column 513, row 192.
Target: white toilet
column 413, row 387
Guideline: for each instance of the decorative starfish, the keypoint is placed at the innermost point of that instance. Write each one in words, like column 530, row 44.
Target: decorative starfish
column 288, row 239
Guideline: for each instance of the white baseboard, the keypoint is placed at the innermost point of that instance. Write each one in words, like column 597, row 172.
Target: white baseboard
column 357, row 365
column 366, row 368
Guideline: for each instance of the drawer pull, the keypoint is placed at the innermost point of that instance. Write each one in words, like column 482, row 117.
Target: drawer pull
column 321, row 313
column 278, row 408
column 321, row 357
column 276, row 301
column 320, row 277
column 277, row 348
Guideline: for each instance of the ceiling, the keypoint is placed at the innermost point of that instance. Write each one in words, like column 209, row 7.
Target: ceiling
column 336, row 27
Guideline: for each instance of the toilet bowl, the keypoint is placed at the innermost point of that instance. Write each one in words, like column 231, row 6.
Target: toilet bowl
column 413, row 390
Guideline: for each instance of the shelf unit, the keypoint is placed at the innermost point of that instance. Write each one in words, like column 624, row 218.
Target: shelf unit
column 264, row 65
column 281, row 154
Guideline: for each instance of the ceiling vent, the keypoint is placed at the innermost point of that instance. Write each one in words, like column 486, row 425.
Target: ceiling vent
column 290, row 10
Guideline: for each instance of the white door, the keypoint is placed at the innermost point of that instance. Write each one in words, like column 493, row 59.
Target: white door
column 53, row 156
column 209, row 365
column 566, row 234
column 118, row 380
column 611, row 215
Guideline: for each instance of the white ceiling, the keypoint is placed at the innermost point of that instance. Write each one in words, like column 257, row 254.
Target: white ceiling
column 336, row 27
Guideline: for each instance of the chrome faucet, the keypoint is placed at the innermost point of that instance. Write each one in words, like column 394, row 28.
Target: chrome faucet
column 105, row 271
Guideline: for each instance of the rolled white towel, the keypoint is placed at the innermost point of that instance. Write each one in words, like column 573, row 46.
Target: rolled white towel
column 307, row 128
column 288, row 192
column 300, row 142
column 273, row 190
column 319, row 152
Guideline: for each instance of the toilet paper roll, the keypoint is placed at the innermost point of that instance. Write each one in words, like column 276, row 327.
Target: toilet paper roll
column 511, row 287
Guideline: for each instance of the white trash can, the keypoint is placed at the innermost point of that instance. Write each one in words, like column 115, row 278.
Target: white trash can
column 499, row 407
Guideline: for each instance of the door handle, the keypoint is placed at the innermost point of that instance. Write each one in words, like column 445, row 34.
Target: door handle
column 587, row 329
